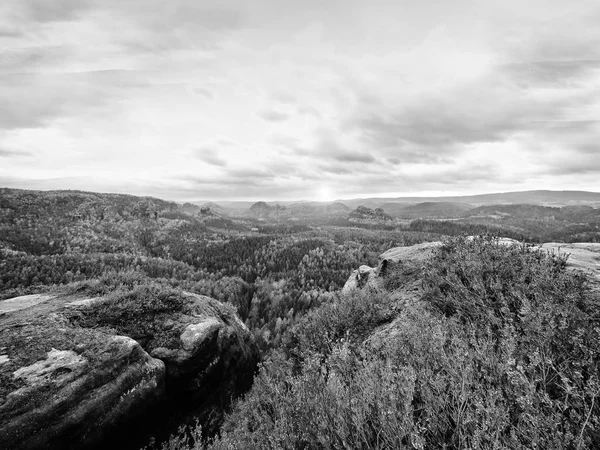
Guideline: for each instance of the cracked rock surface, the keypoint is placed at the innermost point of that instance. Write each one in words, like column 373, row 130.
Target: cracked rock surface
column 67, row 384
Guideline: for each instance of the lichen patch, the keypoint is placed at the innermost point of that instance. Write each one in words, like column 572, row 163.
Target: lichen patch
column 58, row 366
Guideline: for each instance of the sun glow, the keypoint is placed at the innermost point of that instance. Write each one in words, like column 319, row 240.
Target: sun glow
column 324, row 194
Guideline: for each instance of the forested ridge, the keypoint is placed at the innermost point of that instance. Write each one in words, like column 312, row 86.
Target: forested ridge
column 531, row 223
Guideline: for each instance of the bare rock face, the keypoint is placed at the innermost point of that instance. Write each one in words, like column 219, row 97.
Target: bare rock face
column 212, row 361
column 22, row 302
column 372, row 278
column 362, row 214
column 62, row 388
column 71, row 378
column 415, row 253
column 583, row 257
column 360, row 278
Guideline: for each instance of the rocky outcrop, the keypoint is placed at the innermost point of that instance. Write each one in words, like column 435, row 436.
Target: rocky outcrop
column 63, row 387
column 372, row 278
column 583, row 257
column 69, row 380
column 22, row 302
column 190, row 208
column 362, row 214
column 212, row 360
column 262, row 210
column 359, row 279
column 418, row 253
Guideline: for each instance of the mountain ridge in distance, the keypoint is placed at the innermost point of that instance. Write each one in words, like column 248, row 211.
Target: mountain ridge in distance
column 426, row 209
column 395, row 204
column 536, row 197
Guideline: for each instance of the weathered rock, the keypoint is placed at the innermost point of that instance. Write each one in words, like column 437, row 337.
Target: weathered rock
column 373, row 278
column 69, row 382
column 63, row 388
column 415, row 254
column 583, row 257
column 22, row 302
column 83, row 302
column 212, row 361
column 361, row 278
column 263, row 210
column 198, row 333
column 352, row 282
column 58, row 361
column 362, row 214
column 499, row 240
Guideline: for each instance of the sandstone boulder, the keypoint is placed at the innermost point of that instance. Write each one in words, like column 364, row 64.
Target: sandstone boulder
column 22, row 302
column 583, row 257
column 212, row 360
column 63, row 387
column 358, row 279
column 76, row 373
column 373, row 278
column 418, row 253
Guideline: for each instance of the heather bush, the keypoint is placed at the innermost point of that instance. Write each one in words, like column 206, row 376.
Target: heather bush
column 350, row 317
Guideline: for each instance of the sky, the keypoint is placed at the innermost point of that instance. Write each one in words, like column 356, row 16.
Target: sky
column 288, row 100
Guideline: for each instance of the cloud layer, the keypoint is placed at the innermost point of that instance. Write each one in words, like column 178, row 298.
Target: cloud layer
column 277, row 100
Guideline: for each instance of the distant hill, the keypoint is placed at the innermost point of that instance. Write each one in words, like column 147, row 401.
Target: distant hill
column 362, row 214
column 221, row 223
column 289, row 210
column 392, row 205
column 394, row 208
column 312, row 209
column 336, row 207
column 81, row 205
column 260, row 206
column 215, row 208
column 262, row 210
column 190, row 208
column 429, row 210
column 537, row 212
column 539, row 197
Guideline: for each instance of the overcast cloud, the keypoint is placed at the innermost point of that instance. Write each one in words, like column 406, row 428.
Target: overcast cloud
column 319, row 99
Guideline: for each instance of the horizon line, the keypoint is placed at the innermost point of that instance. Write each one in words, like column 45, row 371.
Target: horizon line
column 371, row 197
